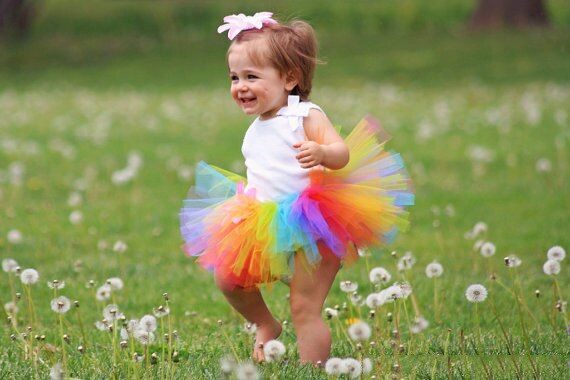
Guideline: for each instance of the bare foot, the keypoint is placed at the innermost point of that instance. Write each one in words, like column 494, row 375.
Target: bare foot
column 264, row 334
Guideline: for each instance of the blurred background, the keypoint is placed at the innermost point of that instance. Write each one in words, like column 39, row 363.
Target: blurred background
column 174, row 44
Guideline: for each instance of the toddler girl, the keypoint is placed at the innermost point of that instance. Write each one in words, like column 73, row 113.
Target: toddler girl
column 310, row 201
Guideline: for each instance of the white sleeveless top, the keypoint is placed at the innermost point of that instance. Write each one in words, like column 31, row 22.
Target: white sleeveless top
column 272, row 169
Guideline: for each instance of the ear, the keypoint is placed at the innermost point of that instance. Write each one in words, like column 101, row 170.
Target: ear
column 290, row 81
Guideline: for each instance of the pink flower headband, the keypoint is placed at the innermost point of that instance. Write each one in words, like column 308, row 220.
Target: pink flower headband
column 238, row 23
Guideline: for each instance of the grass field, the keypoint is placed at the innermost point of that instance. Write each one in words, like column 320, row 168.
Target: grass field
column 99, row 134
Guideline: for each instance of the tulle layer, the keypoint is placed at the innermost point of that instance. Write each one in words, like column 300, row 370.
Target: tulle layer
column 248, row 242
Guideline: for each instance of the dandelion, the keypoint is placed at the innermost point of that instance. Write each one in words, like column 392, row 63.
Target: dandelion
column 14, row 237
column 374, row 300
column 9, row 265
column 512, row 261
column 144, row 337
column 359, row 331
column 60, row 305
column 74, row 199
column 148, row 323
column 363, row 252
column 434, row 269
column 250, row 328
column 335, row 366
column 11, row 308
column 367, row 365
column 478, row 244
column 391, row 293
column 112, row 313
column 379, row 275
column 551, row 267
column 161, row 311
column 353, row 367
column 556, row 253
column 56, row 285
column 247, row 371
column 419, row 325
column 479, row 229
column 355, row 298
column 103, row 292
column 331, row 313
column 76, row 217
column 115, row 283
column 29, row 276
column 487, row 249
column 119, row 246
column 273, row 350
column 405, row 289
column 543, row 165
column 103, row 325
column 56, row 372
column 227, row 364
column 348, row 286
column 476, row 293
column 406, row 262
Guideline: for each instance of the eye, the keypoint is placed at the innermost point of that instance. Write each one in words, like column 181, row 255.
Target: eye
column 233, row 78
column 251, row 76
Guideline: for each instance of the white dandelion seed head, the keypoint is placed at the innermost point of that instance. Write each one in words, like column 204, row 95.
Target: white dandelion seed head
column 29, row 276
column 353, row 368
column 556, row 253
column 434, row 269
column 476, row 293
column 76, row 217
column 330, row 312
column 60, row 304
column 56, row 372
column 247, row 371
column 379, row 275
column 74, row 199
column 359, row 331
column 374, row 300
column 11, row 308
column 478, row 244
column 227, row 364
column 112, row 313
column 119, row 246
column 406, row 262
column 273, row 350
column 132, row 326
column 405, row 289
column 249, row 328
column 335, row 366
column 363, row 252
column 551, row 267
column 9, row 265
column 348, row 286
column 143, row 336
column 115, row 283
column 124, row 334
column 543, row 165
column 488, row 249
column 14, row 237
column 355, row 298
column 103, row 325
column 419, row 325
column 391, row 293
column 55, row 284
column 148, row 323
column 479, row 229
column 103, row 292
column 513, row 261
column 367, row 365
column 161, row 311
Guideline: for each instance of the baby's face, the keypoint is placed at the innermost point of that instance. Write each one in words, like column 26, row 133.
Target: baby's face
column 256, row 89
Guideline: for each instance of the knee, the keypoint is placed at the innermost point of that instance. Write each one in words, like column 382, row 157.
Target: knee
column 222, row 283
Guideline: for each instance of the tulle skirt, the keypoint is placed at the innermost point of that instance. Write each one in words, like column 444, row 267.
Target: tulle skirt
column 249, row 242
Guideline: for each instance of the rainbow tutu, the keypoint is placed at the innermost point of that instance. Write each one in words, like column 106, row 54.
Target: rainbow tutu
column 250, row 242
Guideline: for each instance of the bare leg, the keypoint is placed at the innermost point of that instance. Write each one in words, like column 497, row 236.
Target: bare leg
column 250, row 304
column 309, row 289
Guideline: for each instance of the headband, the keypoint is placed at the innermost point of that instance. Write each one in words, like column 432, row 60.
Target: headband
column 238, row 23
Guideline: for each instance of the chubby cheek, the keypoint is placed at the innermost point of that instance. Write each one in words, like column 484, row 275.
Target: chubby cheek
column 234, row 94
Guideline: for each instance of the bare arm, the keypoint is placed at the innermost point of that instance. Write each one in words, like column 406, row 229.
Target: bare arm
column 324, row 146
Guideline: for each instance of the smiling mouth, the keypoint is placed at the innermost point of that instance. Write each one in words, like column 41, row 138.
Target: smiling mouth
column 247, row 101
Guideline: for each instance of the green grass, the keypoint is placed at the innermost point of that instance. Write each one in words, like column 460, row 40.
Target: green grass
column 88, row 88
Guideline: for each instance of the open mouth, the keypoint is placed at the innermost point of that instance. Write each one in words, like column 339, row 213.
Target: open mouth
column 247, row 101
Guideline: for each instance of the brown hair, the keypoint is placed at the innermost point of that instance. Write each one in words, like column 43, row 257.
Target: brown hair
column 291, row 48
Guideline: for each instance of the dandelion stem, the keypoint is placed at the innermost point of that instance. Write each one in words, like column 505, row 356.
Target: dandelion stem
column 560, row 299
column 162, row 349
column 478, row 325
column 435, row 308
column 409, row 325
column 63, row 357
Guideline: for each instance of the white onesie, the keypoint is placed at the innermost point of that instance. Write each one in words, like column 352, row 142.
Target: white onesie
column 272, row 169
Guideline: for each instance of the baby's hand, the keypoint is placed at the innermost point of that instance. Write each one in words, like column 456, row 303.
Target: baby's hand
column 310, row 154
